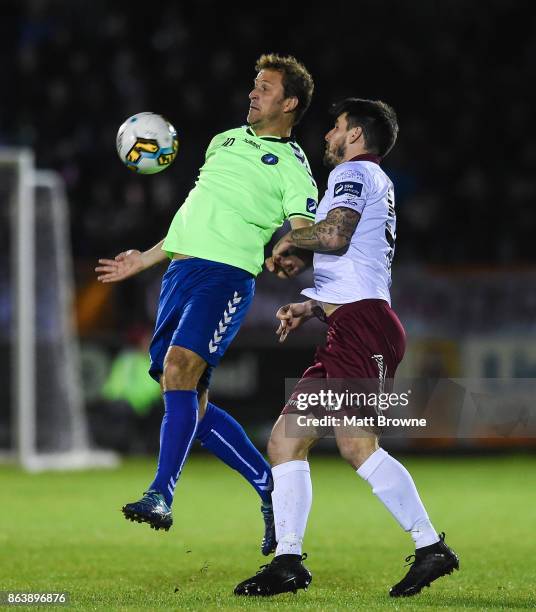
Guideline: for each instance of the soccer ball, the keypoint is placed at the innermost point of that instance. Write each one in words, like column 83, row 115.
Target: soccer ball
column 147, row 143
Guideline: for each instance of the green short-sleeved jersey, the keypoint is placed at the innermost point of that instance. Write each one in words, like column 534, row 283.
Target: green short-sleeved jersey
column 246, row 188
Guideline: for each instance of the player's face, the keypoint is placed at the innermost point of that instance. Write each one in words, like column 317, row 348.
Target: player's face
column 336, row 142
column 266, row 98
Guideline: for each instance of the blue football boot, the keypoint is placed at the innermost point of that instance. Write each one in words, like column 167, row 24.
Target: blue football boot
column 152, row 509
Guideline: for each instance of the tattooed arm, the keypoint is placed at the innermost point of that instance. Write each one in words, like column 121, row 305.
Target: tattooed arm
column 332, row 234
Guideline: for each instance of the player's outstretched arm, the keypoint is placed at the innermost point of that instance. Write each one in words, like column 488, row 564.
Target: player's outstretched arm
column 291, row 316
column 129, row 263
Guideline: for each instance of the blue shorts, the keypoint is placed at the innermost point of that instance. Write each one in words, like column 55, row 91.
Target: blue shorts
column 202, row 305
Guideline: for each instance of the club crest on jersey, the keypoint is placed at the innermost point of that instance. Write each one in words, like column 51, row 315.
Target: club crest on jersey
column 348, row 187
column 311, row 205
column 270, row 159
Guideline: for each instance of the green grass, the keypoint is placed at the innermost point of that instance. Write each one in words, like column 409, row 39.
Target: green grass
column 65, row 532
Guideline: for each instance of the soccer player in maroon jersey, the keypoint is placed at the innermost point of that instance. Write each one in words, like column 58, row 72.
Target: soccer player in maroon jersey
column 353, row 239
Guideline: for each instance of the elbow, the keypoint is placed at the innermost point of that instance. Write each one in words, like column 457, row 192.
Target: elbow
column 338, row 243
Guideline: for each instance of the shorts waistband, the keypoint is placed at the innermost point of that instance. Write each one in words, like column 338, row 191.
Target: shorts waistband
column 355, row 306
column 194, row 262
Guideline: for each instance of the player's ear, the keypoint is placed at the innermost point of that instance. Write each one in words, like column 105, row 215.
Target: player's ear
column 290, row 104
column 355, row 134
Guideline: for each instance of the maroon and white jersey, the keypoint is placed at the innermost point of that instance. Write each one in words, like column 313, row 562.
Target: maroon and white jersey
column 363, row 271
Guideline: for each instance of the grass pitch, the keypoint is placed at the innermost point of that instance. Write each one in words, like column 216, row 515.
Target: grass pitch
column 65, row 532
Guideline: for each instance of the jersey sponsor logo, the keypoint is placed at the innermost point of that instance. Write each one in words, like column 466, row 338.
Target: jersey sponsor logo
column 252, row 143
column 270, row 159
column 348, row 187
column 311, row 205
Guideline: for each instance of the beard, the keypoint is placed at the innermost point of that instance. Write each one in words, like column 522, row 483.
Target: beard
column 331, row 159
column 252, row 120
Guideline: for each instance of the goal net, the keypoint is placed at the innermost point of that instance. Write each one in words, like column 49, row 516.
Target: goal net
column 42, row 417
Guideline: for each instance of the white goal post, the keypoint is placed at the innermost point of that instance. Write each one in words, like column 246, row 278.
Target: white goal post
column 47, row 422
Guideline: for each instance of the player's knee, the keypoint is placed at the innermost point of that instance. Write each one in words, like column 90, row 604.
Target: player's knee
column 175, row 374
column 281, row 449
column 273, row 449
column 182, row 369
column 356, row 450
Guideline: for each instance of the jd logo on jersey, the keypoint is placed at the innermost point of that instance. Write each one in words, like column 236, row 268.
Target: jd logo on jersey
column 270, row 159
column 311, row 205
column 348, row 187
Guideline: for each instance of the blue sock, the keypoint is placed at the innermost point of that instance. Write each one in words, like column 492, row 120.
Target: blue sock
column 177, row 433
column 225, row 438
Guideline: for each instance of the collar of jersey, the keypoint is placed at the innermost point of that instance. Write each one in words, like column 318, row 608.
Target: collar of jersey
column 270, row 138
column 367, row 157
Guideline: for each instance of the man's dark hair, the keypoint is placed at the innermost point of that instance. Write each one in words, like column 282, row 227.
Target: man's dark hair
column 377, row 120
column 297, row 82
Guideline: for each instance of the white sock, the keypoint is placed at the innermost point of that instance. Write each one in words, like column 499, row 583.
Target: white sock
column 394, row 486
column 291, row 498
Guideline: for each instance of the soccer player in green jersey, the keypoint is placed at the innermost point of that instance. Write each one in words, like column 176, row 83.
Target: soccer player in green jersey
column 253, row 179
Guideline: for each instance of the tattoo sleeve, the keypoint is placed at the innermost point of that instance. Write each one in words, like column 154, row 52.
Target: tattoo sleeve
column 332, row 234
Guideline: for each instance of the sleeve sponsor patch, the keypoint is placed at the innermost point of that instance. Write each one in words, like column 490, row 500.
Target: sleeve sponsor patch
column 311, row 205
column 347, row 187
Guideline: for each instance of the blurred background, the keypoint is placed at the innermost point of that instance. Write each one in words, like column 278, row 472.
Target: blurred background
column 459, row 77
